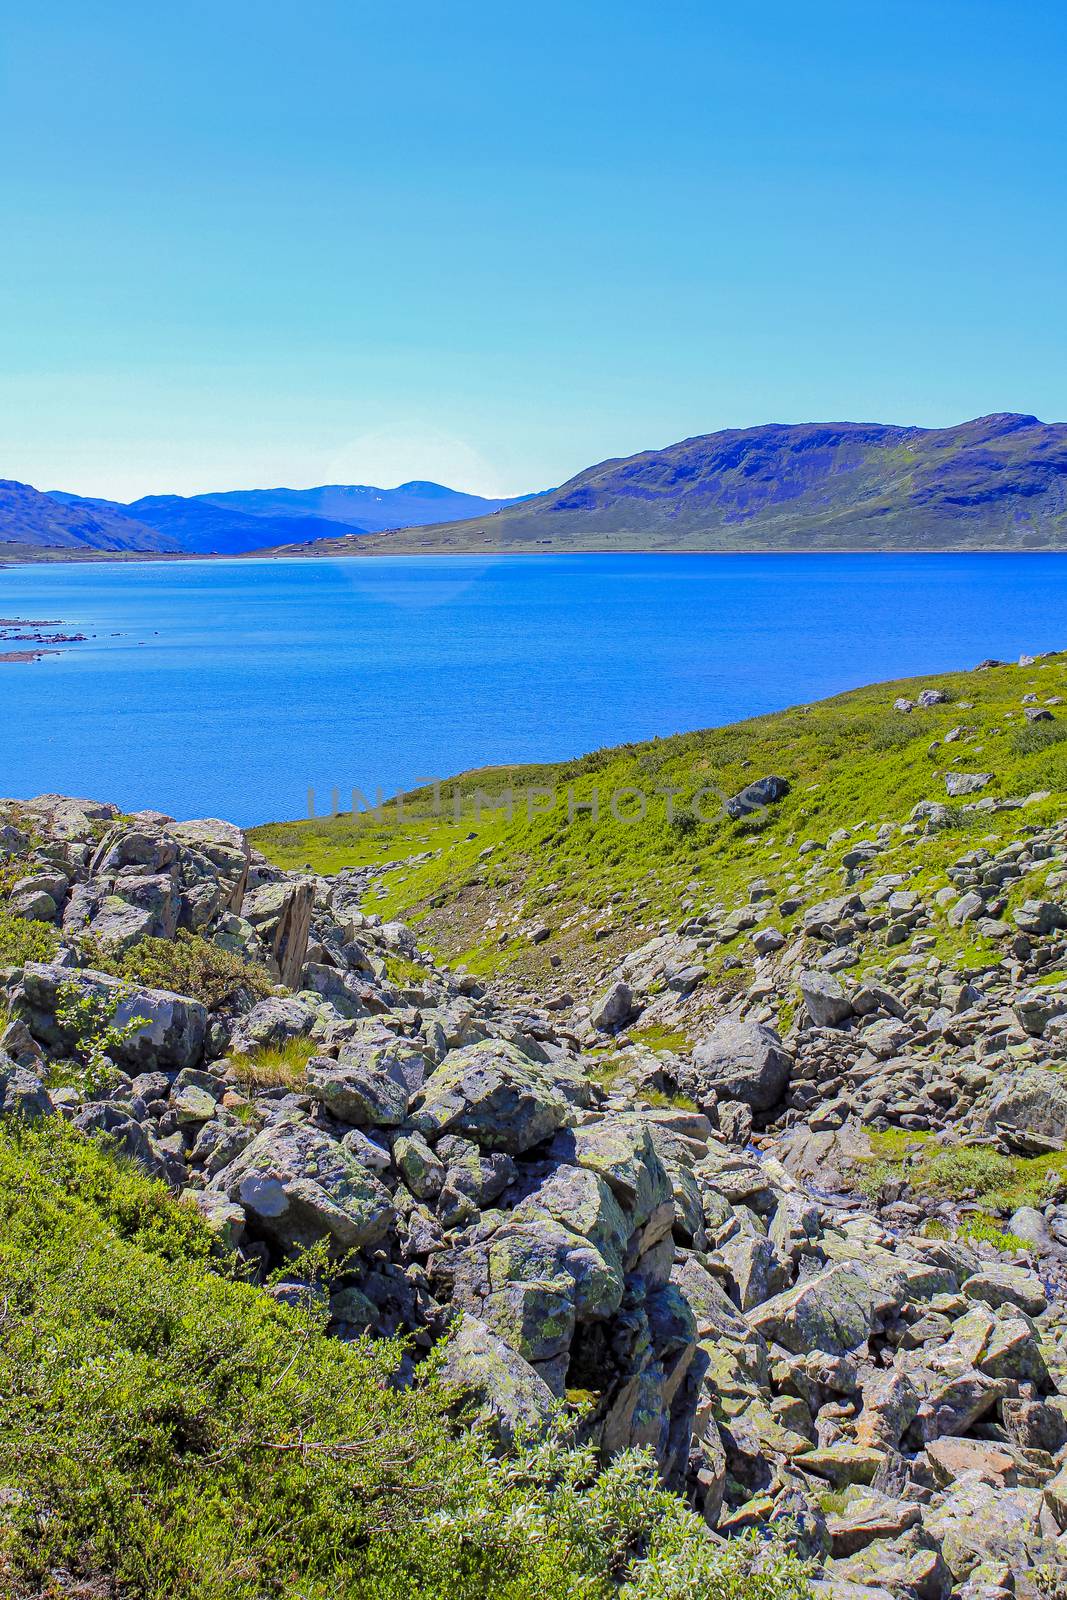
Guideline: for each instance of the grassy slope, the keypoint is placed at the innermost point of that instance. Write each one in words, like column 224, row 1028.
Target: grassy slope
column 853, row 762
column 167, row 1433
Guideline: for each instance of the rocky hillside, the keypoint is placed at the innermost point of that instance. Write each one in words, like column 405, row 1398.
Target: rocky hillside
column 998, row 482
column 781, row 1200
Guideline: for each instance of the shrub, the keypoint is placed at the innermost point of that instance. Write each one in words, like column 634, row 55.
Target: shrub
column 954, row 1173
column 168, row 1432
column 186, row 965
column 22, row 940
column 90, row 1020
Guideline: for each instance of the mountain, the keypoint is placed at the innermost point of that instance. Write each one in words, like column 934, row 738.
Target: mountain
column 243, row 520
column 998, row 482
column 361, row 506
column 29, row 518
column 202, row 527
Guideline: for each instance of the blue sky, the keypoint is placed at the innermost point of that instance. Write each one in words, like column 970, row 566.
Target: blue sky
column 250, row 244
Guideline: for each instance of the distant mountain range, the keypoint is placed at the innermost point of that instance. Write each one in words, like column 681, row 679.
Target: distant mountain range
column 231, row 523
column 34, row 520
column 999, row 482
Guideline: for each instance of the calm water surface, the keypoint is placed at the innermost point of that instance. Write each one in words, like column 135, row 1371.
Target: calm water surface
column 230, row 687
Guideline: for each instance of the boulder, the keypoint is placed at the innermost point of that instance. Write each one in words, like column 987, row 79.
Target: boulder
column 1035, row 1008
column 22, row 1094
column 745, row 1061
column 756, row 796
column 280, row 913
column 494, row 1094
column 510, row 1395
column 621, row 1151
column 825, row 999
column 835, row 1312
column 613, row 1009
column 225, row 847
column 1029, row 1114
column 174, row 1027
column 273, row 1021
column 358, row 1092
column 297, row 1186
column 959, row 784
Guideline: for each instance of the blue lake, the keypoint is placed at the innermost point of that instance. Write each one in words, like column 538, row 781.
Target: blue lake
column 232, row 687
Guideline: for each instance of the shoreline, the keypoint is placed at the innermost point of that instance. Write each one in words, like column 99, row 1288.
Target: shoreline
column 51, row 557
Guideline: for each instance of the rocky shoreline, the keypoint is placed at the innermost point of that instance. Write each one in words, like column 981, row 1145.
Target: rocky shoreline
column 15, row 630
column 706, row 1250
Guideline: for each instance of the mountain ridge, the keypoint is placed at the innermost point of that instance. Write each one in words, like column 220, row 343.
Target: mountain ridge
column 994, row 482
column 230, row 522
column 997, row 482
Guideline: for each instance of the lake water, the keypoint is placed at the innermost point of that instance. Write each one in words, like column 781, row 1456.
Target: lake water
column 230, row 688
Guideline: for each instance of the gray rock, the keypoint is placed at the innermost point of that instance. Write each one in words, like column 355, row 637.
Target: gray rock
column 173, row 1034
column 22, row 1094
column 297, row 1185
column 280, row 913
column 743, row 1061
column 613, row 1009
column 1029, row 1113
column 825, row 999
column 1000, row 1285
column 479, row 1365
column 363, row 1092
column 494, row 1094
column 756, row 796
column 270, row 1022
column 969, row 907
column 963, row 783
column 621, row 1151
column 835, row 1312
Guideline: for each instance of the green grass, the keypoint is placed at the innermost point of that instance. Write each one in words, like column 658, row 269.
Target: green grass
column 169, row 1433
column 657, row 1037
column 404, row 974
column 998, row 1183
column 667, row 1102
column 280, row 1066
column 984, row 1230
column 853, row 763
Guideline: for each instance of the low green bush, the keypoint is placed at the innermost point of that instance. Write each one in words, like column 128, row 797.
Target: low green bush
column 170, row 1433
column 186, row 965
column 22, row 940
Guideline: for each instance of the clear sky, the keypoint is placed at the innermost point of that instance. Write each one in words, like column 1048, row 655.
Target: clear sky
column 248, row 242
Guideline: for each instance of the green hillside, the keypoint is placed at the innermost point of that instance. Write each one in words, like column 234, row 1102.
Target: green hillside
column 997, row 482
column 853, row 763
